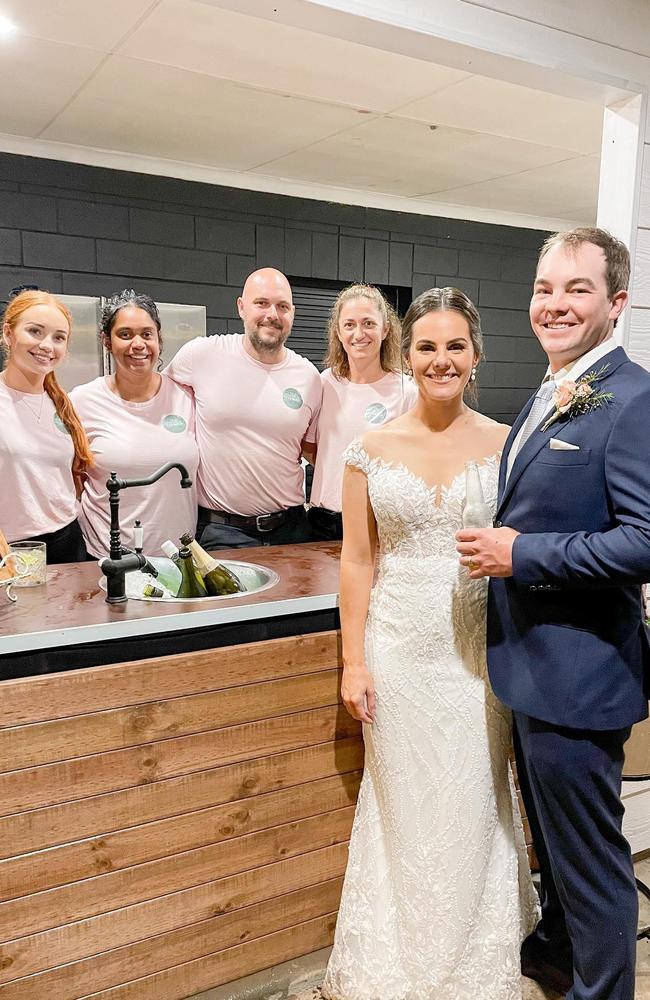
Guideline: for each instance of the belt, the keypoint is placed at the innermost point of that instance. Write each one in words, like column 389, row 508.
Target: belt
column 261, row 523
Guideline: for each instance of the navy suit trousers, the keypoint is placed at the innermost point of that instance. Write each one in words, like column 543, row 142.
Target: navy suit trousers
column 570, row 781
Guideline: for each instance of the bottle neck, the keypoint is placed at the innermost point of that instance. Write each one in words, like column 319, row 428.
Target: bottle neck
column 203, row 562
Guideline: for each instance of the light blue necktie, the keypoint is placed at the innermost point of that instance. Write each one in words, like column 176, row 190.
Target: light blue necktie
column 541, row 404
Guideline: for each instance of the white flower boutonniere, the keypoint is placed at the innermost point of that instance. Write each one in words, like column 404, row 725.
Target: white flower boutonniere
column 573, row 398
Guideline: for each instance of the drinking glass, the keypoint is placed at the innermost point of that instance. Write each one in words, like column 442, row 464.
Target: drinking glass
column 29, row 563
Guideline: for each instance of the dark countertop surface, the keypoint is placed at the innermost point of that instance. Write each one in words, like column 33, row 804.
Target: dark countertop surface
column 71, row 608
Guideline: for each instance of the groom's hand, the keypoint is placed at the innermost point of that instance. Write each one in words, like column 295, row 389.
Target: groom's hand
column 486, row 551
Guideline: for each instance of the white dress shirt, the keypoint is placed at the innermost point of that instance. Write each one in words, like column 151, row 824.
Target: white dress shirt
column 573, row 372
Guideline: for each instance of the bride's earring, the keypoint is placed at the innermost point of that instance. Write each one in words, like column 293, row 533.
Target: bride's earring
column 472, row 377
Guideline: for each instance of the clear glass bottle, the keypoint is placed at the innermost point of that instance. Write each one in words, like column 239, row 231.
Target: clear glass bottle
column 476, row 513
column 190, row 586
column 218, row 580
column 171, row 552
column 169, row 575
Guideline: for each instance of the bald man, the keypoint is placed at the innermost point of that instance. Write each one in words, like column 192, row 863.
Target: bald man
column 255, row 402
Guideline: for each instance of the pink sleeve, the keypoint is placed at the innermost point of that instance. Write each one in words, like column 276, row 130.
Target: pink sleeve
column 411, row 393
column 181, row 367
column 312, row 430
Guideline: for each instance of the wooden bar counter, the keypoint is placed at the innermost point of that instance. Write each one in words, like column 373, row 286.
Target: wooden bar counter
column 177, row 783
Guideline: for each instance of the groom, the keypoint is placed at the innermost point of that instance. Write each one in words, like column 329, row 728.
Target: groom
column 567, row 648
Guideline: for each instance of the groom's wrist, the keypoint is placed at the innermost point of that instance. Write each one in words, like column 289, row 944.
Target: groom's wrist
column 529, row 562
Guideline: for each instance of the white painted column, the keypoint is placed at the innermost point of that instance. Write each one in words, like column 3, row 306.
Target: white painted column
column 639, row 335
column 620, row 165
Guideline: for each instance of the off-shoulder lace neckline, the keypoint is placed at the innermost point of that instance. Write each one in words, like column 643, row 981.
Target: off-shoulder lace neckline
column 439, row 489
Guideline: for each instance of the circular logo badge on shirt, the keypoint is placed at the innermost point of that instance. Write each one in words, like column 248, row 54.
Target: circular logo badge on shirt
column 60, row 426
column 172, row 422
column 376, row 413
column 292, row 399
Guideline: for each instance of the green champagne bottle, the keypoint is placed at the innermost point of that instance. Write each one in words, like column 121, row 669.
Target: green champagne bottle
column 190, row 586
column 218, row 580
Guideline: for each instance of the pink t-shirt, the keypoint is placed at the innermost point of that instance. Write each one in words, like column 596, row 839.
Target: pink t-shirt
column 133, row 440
column 37, row 494
column 251, row 419
column 348, row 410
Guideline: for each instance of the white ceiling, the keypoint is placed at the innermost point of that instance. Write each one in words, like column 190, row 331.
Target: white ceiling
column 174, row 82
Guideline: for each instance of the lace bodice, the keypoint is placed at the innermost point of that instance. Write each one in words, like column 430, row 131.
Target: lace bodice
column 409, row 521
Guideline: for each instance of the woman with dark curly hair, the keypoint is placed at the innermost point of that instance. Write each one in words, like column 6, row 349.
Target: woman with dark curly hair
column 136, row 419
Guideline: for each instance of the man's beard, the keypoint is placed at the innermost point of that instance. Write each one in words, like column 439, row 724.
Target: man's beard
column 267, row 346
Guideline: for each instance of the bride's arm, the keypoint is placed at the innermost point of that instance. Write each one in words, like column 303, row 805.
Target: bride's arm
column 357, row 570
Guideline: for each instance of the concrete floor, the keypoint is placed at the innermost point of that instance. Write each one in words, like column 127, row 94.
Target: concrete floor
column 299, row 979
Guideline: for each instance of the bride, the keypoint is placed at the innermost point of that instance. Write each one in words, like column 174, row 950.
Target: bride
column 437, row 894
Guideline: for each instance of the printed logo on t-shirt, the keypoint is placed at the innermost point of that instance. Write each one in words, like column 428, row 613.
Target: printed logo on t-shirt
column 376, row 413
column 60, row 426
column 292, row 398
column 174, row 423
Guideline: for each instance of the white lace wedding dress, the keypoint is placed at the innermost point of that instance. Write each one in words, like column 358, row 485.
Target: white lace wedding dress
column 437, row 893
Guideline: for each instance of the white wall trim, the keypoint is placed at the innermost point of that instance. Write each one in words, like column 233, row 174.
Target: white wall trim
column 621, row 161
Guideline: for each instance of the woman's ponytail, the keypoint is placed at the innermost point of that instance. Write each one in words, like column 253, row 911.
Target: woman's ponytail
column 83, row 457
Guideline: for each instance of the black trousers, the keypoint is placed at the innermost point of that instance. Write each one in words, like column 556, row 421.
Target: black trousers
column 570, row 781
column 226, row 536
column 326, row 525
column 66, row 545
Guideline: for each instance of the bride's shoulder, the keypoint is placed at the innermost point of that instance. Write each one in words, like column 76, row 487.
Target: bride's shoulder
column 374, row 447
column 380, row 442
column 494, row 433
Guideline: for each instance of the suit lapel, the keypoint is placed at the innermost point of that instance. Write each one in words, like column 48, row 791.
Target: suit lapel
column 510, row 440
column 531, row 448
column 538, row 439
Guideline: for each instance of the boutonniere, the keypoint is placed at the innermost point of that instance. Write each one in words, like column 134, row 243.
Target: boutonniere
column 573, row 398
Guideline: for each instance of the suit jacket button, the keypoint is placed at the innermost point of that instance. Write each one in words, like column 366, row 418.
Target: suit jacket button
column 498, row 524
column 532, row 587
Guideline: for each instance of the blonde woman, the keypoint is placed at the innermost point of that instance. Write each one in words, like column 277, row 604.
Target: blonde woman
column 363, row 387
column 43, row 447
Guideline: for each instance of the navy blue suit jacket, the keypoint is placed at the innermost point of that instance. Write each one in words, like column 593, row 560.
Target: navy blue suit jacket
column 566, row 640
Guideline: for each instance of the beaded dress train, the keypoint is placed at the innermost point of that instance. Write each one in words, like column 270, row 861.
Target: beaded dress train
column 437, row 894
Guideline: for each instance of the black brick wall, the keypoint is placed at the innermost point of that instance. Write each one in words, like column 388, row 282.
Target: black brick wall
column 91, row 231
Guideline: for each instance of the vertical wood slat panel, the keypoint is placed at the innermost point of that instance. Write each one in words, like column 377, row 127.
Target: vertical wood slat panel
column 230, row 770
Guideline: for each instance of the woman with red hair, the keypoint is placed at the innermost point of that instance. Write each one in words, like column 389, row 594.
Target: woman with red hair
column 43, row 447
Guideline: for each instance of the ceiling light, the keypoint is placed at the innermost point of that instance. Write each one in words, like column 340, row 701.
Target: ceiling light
column 7, row 27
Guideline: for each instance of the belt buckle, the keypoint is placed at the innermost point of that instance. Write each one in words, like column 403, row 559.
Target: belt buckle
column 259, row 525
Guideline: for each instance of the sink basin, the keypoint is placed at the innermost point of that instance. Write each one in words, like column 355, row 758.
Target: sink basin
column 254, row 578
